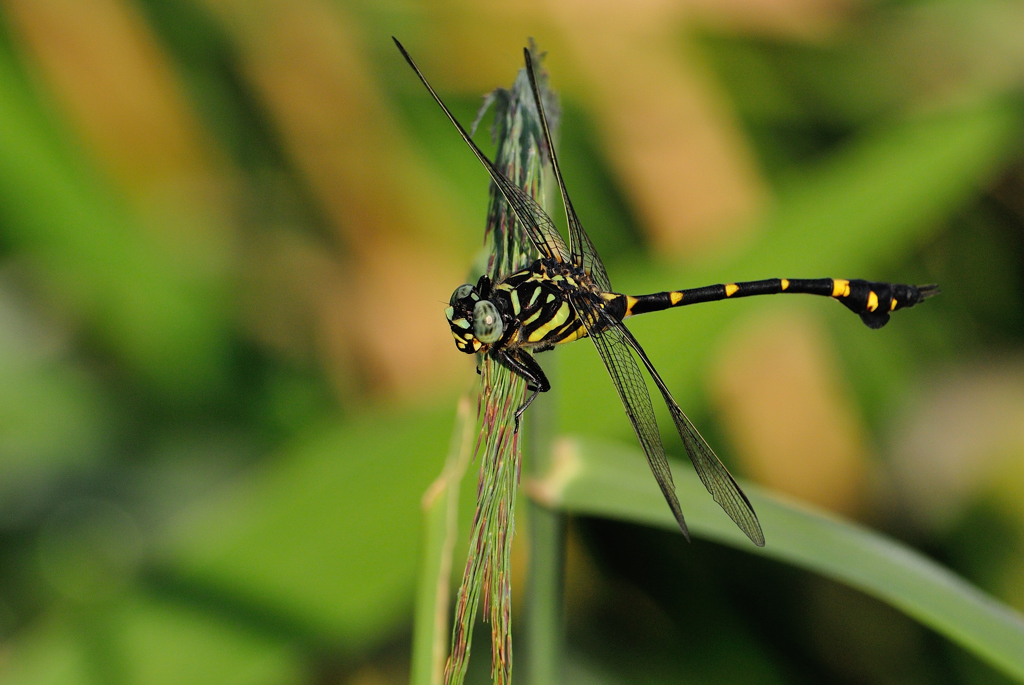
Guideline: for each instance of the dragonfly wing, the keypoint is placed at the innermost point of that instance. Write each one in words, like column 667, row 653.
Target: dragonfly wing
column 709, row 467
column 535, row 221
column 582, row 250
column 613, row 347
column 533, row 218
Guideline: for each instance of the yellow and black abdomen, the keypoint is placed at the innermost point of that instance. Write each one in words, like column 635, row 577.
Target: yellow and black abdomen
column 873, row 301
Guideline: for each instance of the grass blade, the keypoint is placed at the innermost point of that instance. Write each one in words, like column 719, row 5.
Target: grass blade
column 612, row 481
column 441, row 509
column 488, row 565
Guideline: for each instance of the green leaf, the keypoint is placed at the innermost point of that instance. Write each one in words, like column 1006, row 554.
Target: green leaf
column 324, row 540
column 140, row 640
column 149, row 299
column 45, row 655
column 613, row 481
column 162, row 644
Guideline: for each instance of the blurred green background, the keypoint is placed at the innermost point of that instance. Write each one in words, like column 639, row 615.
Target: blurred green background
column 227, row 233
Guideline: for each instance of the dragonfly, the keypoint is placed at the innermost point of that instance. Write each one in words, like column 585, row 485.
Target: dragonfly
column 566, row 295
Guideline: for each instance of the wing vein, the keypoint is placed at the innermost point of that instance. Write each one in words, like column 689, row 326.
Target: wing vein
column 632, row 390
column 582, row 249
column 712, row 472
column 534, row 220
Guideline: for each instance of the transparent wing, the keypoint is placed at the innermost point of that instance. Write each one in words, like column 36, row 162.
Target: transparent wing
column 535, row 221
column 583, row 252
column 709, row 467
column 613, row 347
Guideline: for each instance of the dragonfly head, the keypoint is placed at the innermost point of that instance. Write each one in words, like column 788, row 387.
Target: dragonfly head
column 474, row 321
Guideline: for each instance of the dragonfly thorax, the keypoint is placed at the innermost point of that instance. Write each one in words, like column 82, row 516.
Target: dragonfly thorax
column 537, row 304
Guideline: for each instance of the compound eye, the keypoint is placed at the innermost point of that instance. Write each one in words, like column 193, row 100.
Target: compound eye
column 463, row 291
column 487, row 325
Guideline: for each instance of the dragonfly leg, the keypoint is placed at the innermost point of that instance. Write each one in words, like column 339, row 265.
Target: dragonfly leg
column 527, row 403
column 523, row 364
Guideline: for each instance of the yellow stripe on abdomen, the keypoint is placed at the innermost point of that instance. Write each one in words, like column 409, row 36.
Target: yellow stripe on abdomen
column 840, row 287
column 630, row 303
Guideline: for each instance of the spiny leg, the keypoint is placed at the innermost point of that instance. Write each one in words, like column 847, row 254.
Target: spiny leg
column 526, row 405
column 523, row 364
column 873, row 301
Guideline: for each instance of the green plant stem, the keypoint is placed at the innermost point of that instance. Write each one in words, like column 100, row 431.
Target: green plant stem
column 544, row 592
column 613, row 481
column 441, row 510
column 543, row 619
